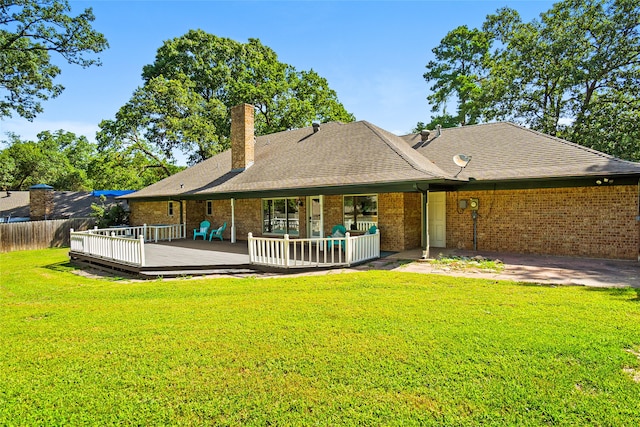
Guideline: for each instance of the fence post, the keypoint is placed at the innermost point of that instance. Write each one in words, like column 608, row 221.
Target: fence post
column 286, row 251
column 142, row 260
column 250, row 241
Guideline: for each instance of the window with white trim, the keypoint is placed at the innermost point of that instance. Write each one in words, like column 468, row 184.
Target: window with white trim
column 360, row 211
column 280, row 216
column 209, row 207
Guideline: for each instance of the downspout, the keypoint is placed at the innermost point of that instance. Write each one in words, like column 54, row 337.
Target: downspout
column 233, row 220
column 182, row 219
column 425, row 225
column 425, row 221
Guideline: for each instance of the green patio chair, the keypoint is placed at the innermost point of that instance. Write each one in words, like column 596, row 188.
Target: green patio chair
column 372, row 230
column 203, row 231
column 217, row 233
column 338, row 231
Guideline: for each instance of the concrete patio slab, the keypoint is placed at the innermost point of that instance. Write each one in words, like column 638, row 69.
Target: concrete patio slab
column 533, row 268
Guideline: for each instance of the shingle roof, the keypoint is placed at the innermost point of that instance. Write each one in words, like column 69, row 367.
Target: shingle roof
column 14, row 203
column 338, row 154
column 506, row 151
column 67, row 204
column 359, row 153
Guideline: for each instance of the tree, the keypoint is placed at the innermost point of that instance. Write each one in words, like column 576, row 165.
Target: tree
column 108, row 215
column 189, row 90
column 574, row 73
column 581, row 52
column 445, row 120
column 456, row 73
column 121, row 170
column 161, row 117
column 57, row 159
column 30, row 31
column 70, row 162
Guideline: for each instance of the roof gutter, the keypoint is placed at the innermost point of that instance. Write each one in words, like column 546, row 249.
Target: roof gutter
column 393, row 187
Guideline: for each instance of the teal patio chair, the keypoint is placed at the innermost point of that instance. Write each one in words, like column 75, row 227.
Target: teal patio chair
column 372, row 230
column 217, row 233
column 203, row 231
column 338, row 231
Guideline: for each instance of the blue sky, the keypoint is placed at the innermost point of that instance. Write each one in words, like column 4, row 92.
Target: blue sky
column 373, row 53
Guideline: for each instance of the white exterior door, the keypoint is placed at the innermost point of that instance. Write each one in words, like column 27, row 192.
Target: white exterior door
column 314, row 215
column 437, row 220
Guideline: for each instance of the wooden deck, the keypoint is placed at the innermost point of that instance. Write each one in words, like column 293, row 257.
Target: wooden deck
column 188, row 257
column 184, row 257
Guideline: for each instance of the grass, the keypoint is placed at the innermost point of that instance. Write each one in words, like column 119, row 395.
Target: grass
column 374, row 348
column 466, row 263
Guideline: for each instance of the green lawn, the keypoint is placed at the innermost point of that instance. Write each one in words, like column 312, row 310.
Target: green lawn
column 374, row 348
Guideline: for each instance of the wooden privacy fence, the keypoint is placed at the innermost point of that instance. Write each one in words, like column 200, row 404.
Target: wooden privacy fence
column 21, row 236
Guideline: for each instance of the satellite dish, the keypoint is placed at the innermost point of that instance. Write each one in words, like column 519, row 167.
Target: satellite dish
column 461, row 160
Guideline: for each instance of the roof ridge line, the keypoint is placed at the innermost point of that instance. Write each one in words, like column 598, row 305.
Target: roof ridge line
column 373, row 128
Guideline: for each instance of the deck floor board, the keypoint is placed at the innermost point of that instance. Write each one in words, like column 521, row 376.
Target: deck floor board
column 191, row 253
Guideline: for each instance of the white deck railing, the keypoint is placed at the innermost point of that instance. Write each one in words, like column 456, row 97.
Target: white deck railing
column 325, row 252
column 123, row 244
column 360, row 225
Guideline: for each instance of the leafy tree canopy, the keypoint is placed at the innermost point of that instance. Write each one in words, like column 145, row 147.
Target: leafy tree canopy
column 30, row 31
column 70, row 162
column 56, row 159
column 189, row 90
column 574, row 73
column 457, row 70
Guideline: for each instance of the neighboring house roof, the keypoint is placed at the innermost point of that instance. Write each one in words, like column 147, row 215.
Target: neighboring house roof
column 506, row 151
column 338, row 155
column 67, row 204
column 14, row 204
column 343, row 156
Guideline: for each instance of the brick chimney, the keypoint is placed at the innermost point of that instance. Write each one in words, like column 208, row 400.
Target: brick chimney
column 242, row 137
column 40, row 202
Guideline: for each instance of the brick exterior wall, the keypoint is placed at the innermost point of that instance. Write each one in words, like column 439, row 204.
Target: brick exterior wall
column 41, row 204
column 399, row 219
column 584, row 222
column 412, row 220
column 333, row 212
column 155, row 213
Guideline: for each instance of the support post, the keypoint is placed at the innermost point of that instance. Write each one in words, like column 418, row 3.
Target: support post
column 233, row 220
column 425, row 225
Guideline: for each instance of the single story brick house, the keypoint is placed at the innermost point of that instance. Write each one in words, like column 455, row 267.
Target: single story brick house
column 492, row 187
